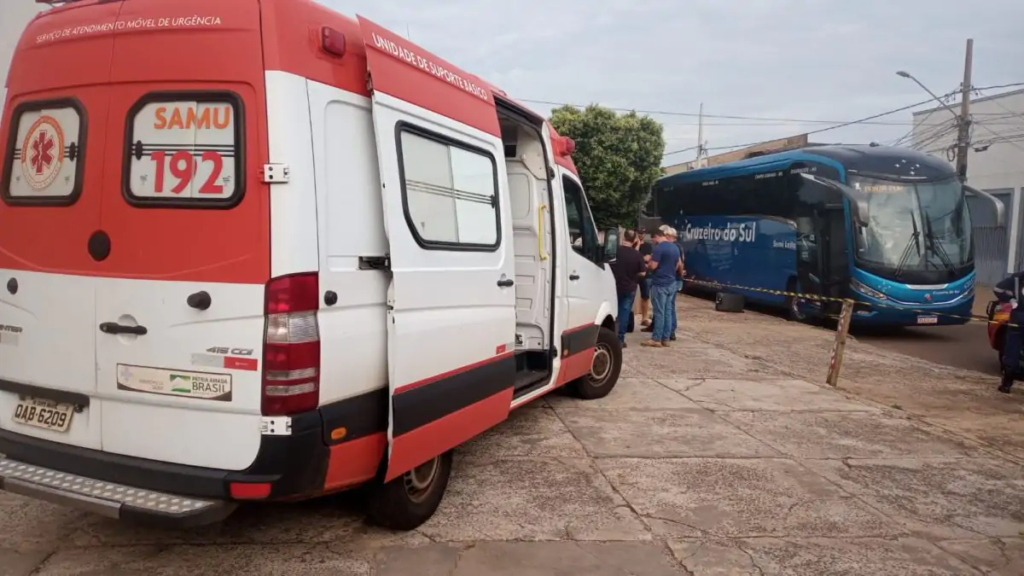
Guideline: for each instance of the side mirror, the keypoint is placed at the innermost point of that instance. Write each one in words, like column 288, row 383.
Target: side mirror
column 858, row 200
column 1000, row 209
column 611, row 244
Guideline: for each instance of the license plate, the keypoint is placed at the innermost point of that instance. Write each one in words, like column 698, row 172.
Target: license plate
column 927, row 319
column 45, row 414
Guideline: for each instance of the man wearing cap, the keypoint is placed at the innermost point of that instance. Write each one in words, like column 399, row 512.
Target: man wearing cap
column 662, row 271
column 673, row 237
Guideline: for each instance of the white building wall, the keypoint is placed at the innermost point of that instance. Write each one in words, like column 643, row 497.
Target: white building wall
column 995, row 162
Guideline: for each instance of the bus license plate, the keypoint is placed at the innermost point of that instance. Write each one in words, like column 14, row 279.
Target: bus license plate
column 45, row 414
column 927, row 319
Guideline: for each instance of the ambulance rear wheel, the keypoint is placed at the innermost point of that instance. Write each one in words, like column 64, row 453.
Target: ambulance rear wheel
column 604, row 368
column 411, row 499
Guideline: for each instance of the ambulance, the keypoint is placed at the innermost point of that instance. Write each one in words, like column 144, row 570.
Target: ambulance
column 256, row 250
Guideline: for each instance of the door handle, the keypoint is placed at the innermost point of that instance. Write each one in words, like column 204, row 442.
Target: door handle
column 574, row 276
column 506, row 282
column 115, row 328
column 200, row 300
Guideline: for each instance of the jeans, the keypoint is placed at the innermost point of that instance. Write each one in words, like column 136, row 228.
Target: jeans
column 674, row 325
column 625, row 312
column 661, row 300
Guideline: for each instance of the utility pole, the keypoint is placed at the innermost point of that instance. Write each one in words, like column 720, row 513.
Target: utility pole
column 700, row 135
column 964, row 120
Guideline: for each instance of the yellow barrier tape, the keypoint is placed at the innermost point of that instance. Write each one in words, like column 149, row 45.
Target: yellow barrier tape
column 858, row 303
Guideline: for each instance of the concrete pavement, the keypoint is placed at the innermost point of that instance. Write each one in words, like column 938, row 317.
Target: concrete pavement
column 720, row 455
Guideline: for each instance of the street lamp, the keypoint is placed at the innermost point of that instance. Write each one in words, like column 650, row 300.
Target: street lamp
column 963, row 119
column 905, row 74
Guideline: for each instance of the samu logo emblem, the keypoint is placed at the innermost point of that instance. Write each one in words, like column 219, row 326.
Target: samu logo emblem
column 42, row 153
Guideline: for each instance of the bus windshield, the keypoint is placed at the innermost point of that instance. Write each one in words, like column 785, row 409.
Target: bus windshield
column 914, row 228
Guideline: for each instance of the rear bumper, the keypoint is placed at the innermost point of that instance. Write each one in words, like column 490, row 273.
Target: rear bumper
column 294, row 466
column 109, row 499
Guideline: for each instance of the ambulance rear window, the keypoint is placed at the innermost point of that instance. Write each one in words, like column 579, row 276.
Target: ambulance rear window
column 44, row 164
column 185, row 150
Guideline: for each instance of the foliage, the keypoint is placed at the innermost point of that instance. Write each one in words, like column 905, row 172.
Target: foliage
column 618, row 157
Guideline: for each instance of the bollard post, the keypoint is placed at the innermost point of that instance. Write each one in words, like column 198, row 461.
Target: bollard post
column 842, row 330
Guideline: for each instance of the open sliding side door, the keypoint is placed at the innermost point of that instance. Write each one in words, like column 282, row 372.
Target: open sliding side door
column 451, row 318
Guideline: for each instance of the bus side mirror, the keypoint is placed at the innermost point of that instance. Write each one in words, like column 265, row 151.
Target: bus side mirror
column 858, row 200
column 1000, row 208
column 611, row 244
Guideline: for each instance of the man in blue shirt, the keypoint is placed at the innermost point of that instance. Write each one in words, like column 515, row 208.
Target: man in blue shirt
column 662, row 271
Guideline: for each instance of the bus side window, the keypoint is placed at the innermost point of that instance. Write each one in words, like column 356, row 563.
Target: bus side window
column 582, row 233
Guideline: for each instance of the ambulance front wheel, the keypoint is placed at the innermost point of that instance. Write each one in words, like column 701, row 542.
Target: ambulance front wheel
column 411, row 499
column 604, row 369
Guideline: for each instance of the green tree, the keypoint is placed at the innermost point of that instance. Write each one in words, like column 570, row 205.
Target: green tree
column 618, row 157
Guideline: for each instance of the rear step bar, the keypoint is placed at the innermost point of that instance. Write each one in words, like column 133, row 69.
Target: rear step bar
column 109, row 499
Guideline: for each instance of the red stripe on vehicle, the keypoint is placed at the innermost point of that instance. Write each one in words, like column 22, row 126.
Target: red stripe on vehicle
column 236, row 363
column 575, row 366
column 443, row 375
column 414, row 448
column 355, row 461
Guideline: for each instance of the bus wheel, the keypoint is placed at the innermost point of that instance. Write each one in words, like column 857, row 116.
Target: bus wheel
column 604, row 369
column 793, row 303
column 411, row 499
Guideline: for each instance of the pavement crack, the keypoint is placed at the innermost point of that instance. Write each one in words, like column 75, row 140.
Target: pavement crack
column 760, row 571
column 700, row 531
column 597, row 466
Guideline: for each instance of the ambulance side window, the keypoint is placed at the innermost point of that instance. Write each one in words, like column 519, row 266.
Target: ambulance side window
column 186, row 150
column 45, row 151
column 582, row 233
column 450, row 192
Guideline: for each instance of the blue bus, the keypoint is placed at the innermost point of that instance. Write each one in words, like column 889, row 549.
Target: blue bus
column 888, row 227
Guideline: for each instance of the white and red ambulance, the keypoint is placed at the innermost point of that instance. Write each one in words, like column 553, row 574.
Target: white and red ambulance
column 255, row 250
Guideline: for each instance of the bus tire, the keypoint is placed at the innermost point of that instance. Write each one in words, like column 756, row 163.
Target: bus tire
column 408, row 501
column 604, row 369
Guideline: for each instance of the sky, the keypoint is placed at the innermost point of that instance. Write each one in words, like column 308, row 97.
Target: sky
column 795, row 59
column 820, row 60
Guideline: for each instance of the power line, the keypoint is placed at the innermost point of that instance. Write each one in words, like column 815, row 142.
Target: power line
column 820, row 130
column 719, row 116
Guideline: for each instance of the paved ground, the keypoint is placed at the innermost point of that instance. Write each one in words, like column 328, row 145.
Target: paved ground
column 963, row 347
column 721, row 455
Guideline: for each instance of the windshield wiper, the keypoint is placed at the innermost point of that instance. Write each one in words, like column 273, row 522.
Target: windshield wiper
column 937, row 247
column 915, row 240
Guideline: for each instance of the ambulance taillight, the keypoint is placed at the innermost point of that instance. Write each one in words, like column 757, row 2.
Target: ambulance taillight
column 291, row 348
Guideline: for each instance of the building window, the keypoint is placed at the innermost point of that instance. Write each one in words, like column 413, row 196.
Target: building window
column 451, row 193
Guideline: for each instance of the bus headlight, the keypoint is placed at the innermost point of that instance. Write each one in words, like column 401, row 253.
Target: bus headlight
column 860, row 287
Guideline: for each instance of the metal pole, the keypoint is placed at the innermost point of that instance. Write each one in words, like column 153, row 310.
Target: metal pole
column 964, row 134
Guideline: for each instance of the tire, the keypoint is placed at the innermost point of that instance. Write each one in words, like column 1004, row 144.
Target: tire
column 607, row 363
column 408, row 501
